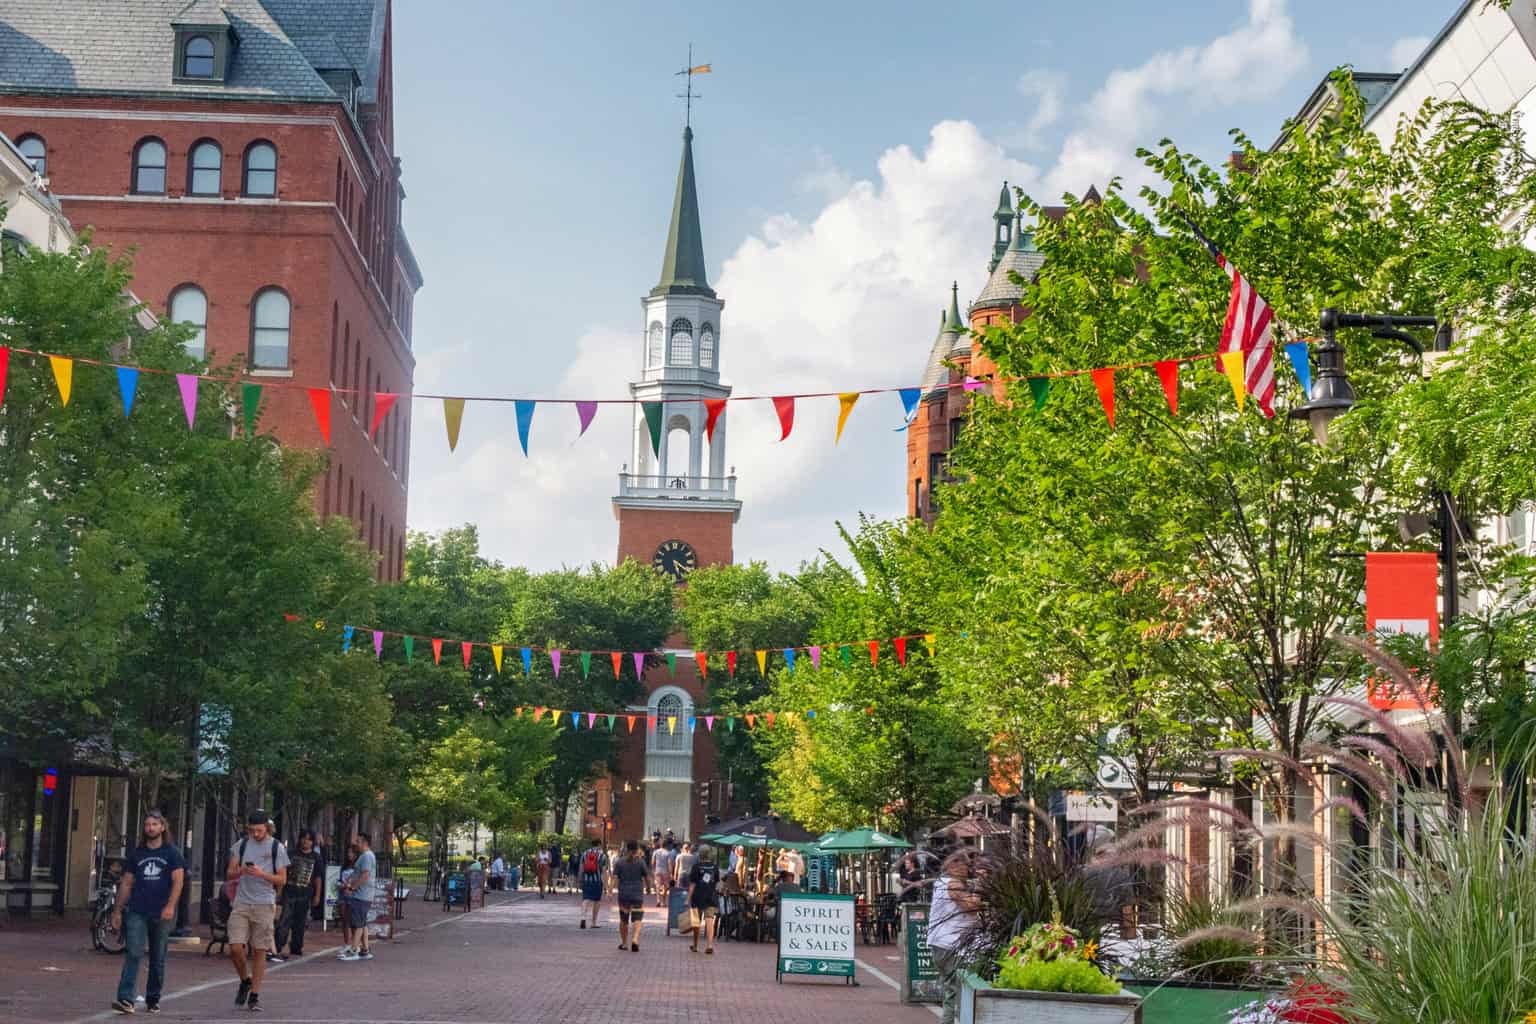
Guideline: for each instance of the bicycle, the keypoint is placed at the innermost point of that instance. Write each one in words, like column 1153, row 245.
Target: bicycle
column 104, row 937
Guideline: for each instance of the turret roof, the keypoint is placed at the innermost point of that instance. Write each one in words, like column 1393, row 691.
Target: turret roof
column 682, row 265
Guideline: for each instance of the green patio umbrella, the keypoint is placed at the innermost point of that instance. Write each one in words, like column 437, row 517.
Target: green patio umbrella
column 860, row 840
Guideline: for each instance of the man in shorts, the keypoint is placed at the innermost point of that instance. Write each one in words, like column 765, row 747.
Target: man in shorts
column 661, row 868
column 703, row 898
column 630, row 876
column 260, row 863
column 357, row 897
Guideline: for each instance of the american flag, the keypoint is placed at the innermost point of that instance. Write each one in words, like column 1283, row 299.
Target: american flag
column 1248, row 328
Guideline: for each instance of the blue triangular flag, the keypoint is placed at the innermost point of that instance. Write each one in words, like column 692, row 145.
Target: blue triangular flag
column 789, row 658
column 524, row 420
column 527, row 653
column 127, row 383
column 810, row 714
column 575, row 719
column 1297, row 350
column 909, row 400
column 692, row 723
column 346, row 639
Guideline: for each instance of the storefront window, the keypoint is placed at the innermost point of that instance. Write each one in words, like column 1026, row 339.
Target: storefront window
column 45, row 816
column 17, row 786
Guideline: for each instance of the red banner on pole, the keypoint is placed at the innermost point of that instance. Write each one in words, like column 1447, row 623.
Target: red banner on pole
column 1401, row 596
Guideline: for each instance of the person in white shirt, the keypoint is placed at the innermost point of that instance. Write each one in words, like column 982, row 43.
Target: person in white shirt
column 951, row 919
column 498, row 873
column 797, row 865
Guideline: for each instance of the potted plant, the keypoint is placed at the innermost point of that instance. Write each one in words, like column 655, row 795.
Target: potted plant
column 1206, row 963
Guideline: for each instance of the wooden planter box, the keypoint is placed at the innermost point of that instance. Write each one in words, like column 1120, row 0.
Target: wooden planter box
column 980, row 1003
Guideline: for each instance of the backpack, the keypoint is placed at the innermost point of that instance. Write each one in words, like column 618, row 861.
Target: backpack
column 589, row 863
column 232, row 885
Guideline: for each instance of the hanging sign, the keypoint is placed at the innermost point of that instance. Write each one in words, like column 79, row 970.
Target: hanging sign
column 1401, row 596
column 815, row 935
column 1092, row 807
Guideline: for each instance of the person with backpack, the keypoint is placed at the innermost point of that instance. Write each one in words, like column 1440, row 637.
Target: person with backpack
column 149, row 891
column 556, row 867
column 591, row 876
column 257, row 869
column 703, row 898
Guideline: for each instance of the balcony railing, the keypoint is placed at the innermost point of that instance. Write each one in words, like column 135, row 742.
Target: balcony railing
column 669, row 766
column 635, row 485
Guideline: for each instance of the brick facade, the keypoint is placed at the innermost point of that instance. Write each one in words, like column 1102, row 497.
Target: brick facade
column 642, row 530
column 329, row 239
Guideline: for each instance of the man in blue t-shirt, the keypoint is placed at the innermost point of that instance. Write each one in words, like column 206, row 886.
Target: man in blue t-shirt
column 146, row 911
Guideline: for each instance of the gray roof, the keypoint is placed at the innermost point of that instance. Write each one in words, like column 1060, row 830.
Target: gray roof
column 1021, row 258
column 682, row 264
column 127, row 46
column 953, row 339
column 201, row 13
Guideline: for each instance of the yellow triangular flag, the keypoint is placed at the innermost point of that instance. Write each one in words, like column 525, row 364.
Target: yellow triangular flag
column 845, row 403
column 762, row 663
column 496, row 654
column 928, row 639
column 63, row 375
column 453, row 416
column 1232, row 366
column 671, row 724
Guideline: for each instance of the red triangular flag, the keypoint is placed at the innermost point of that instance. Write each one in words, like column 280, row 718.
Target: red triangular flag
column 713, row 407
column 770, row 719
column 874, row 652
column 650, row 722
column 1168, row 373
column 730, row 662
column 1104, row 380
column 785, row 407
column 383, row 401
column 538, row 713
column 437, row 651
column 5, row 362
column 703, row 660
column 901, row 649
column 466, row 645
column 618, row 658
column 320, row 402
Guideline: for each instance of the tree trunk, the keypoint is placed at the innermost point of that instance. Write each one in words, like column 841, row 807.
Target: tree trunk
column 560, row 808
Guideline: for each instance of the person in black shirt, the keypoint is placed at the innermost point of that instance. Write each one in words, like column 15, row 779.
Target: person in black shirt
column 305, row 889
column 703, row 899
column 149, row 891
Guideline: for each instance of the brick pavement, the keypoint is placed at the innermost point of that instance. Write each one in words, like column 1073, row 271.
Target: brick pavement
column 518, row 960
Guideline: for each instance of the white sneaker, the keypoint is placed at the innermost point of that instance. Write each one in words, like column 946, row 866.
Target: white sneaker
column 350, row 957
column 344, row 952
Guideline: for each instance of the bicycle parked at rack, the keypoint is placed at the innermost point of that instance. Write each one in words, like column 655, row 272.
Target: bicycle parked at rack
column 104, row 937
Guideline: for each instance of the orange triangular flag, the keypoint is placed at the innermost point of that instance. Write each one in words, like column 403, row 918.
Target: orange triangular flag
column 383, row 401
column 751, row 721
column 63, row 375
column 874, row 652
column 845, row 402
column 618, row 658
column 770, row 719
column 713, row 407
column 320, row 402
column 784, row 405
column 1104, row 380
column 1232, row 366
column 1168, row 373
column 538, row 713
column 437, row 651
column 703, row 660
column 631, row 720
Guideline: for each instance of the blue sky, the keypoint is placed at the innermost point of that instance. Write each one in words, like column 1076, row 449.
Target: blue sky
column 849, row 157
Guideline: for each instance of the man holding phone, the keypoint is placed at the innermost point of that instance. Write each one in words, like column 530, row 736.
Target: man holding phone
column 260, row 863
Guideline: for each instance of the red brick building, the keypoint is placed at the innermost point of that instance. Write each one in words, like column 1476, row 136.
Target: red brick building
column 245, row 149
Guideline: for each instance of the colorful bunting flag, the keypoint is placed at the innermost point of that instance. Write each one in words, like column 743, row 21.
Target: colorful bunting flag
column 524, row 409
column 909, row 399
column 816, row 657
column 762, row 663
column 538, row 713
column 585, row 412
column 378, row 644
column 693, row 722
column 1040, row 390
column 554, row 659
column 527, row 655
column 1232, row 366
column 586, row 664
column 971, row 384
column 250, row 405
column 703, row 660
column 709, row 723
column 874, row 652
column 453, row 419
column 591, row 718
column 785, row 407
column 63, row 375
column 730, row 663
column 928, row 638
column 187, row 384
column 575, row 720
column 845, row 403
column 617, row 658
column 713, row 407
column 769, row 716
column 639, row 664
column 465, row 646
column 410, row 649
column 346, row 639
column 610, row 722
column 1168, row 373
column 672, row 664
column 901, row 649
column 751, row 721
column 730, row 723
column 383, row 401
column 631, row 720
column 437, row 651
column 5, row 366
column 789, row 658
column 671, row 724
column 127, row 386
column 1296, row 350
column 845, row 654
column 1104, row 381
column 652, row 411
column 650, row 722
column 496, row 656
column 320, row 404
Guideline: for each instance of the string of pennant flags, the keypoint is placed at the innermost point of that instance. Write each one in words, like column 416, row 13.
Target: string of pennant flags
column 320, row 399
column 352, row 636
column 653, row 721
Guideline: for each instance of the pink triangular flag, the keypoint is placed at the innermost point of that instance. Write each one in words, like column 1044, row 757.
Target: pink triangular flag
column 971, row 383
column 591, row 717
column 378, row 644
column 709, row 722
column 187, row 382
column 639, row 664
column 554, row 659
column 585, row 411
column 816, row 657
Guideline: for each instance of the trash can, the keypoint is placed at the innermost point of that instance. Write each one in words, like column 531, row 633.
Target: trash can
column 455, row 891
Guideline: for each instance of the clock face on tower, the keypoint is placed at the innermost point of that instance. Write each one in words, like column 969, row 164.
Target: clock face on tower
column 676, row 559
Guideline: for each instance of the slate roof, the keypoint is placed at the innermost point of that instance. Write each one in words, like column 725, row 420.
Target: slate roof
column 1022, row 258
column 127, row 46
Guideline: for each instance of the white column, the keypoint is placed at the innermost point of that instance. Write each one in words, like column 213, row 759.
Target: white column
column 696, row 445
column 717, row 446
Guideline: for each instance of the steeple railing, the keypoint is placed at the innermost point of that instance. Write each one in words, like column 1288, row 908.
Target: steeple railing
column 680, row 486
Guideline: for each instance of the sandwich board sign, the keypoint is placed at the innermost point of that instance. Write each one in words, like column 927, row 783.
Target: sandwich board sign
column 816, row 932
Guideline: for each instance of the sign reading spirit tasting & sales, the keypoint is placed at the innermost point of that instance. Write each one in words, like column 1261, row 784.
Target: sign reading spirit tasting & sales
column 816, row 935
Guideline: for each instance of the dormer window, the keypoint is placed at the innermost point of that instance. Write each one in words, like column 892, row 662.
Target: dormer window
column 197, row 58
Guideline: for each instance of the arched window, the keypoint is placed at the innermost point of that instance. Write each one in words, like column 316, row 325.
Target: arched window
column 205, row 165
column 35, row 150
column 149, row 167
column 654, row 344
column 682, row 343
column 269, row 330
column 707, row 346
column 676, row 738
column 189, row 305
column 260, row 170
column 197, row 59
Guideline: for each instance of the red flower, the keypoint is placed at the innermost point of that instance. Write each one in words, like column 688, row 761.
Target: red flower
column 1310, row 1005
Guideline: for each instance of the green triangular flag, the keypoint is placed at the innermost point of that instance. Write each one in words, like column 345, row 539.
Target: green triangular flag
column 250, row 401
column 586, row 664
column 1040, row 387
column 610, row 722
column 730, row 724
column 847, row 658
column 410, row 647
column 672, row 665
column 653, row 420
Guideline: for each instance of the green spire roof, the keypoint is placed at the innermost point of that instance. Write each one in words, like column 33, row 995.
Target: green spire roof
column 682, row 266
column 1004, row 205
column 953, row 321
column 1023, row 241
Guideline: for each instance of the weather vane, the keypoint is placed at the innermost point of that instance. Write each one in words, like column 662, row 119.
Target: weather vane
column 688, row 95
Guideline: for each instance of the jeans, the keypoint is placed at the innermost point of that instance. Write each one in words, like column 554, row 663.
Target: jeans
column 291, row 926
column 948, row 962
column 141, row 931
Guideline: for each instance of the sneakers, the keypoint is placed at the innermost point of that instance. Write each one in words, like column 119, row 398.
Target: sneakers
column 634, row 947
column 151, row 1007
column 344, row 952
column 276, row 958
column 583, row 923
column 366, row 954
column 244, row 993
column 255, row 1004
column 123, row 1006
column 350, row 957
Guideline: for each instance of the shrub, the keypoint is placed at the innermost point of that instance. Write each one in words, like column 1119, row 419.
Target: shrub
column 1064, row 975
column 1020, row 888
column 1213, row 941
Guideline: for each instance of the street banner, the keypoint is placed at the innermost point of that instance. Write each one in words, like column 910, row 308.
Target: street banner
column 1401, row 596
column 816, row 935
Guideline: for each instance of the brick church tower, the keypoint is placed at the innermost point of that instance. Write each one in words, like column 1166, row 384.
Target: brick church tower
column 676, row 510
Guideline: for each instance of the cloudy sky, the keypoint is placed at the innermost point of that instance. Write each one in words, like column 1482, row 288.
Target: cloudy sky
column 849, row 157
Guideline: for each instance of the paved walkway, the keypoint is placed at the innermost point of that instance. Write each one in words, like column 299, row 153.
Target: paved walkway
column 518, row 960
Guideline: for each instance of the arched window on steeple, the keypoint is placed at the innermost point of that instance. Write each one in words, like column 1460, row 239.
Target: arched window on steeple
column 655, row 344
column 707, row 346
column 682, row 343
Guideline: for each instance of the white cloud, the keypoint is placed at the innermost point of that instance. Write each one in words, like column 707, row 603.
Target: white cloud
column 1406, row 50
column 1046, row 91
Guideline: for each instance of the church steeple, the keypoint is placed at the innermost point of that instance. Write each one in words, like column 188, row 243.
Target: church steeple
column 682, row 265
column 1003, row 218
column 953, row 322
